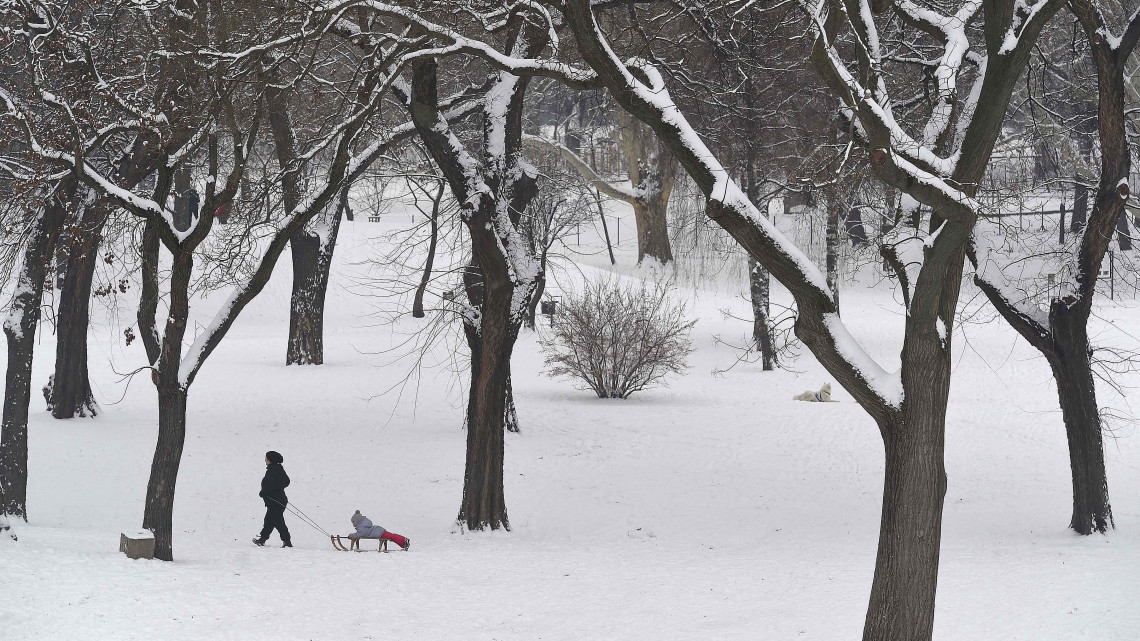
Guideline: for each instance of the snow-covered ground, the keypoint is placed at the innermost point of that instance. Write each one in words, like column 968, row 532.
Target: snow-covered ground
column 715, row 508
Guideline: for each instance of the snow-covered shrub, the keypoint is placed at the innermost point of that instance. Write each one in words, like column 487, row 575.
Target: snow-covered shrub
column 619, row 339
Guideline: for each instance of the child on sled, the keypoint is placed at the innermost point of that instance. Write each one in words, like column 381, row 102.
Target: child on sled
column 366, row 530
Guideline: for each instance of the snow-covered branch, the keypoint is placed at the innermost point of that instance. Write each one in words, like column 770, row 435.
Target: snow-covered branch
column 640, row 89
column 623, row 191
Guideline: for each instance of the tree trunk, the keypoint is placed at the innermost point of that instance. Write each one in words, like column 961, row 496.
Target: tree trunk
column 832, row 250
column 853, row 224
column 418, row 302
column 484, row 504
column 1080, row 205
column 159, row 508
column 536, row 299
column 68, row 392
column 652, row 168
column 605, row 228
column 148, row 298
column 312, row 260
column 1123, row 234
column 312, row 252
column 1076, row 388
column 510, row 412
column 20, row 332
column 652, row 231
column 159, row 512
column 901, row 606
column 760, row 287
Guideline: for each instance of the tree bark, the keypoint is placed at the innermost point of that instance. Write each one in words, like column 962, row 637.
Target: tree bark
column 418, row 301
column 1080, row 205
column 832, row 250
column 148, row 299
column 68, row 392
column 312, row 253
column 652, row 169
column 307, row 302
column 312, row 262
column 483, row 504
column 536, row 300
column 492, row 323
column 20, row 332
column 1076, row 389
column 1123, row 234
column 510, row 412
column 159, row 512
column 901, row 606
column 159, row 507
column 759, row 282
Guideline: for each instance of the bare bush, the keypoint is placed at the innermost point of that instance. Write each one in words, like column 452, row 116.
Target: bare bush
column 619, row 339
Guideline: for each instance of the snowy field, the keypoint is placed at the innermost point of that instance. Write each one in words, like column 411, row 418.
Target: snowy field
column 716, row 508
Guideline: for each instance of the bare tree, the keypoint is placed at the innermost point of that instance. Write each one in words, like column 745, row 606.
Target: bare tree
column 22, row 318
column 503, row 272
column 909, row 407
column 1060, row 333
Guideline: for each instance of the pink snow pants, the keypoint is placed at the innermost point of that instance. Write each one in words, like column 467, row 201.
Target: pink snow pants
column 395, row 538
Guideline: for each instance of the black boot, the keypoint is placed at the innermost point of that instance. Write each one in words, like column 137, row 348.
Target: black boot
column 258, row 541
column 287, row 544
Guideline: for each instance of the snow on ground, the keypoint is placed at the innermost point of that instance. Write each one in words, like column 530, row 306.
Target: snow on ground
column 715, row 508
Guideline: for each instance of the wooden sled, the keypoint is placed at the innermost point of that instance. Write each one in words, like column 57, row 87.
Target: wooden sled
column 354, row 544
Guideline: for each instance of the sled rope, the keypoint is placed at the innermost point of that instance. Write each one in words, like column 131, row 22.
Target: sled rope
column 301, row 515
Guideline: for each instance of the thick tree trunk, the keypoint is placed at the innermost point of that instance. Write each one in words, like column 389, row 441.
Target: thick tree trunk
column 1076, row 389
column 652, row 168
column 652, row 231
column 159, row 512
column 901, row 606
column 759, row 282
column 484, row 504
column 312, row 253
column 159, row 508
column 20, row 332
column 306, row 304
column 68, row 392
column 312, row 260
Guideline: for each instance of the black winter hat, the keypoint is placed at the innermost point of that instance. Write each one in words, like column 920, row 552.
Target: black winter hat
column 274, row 457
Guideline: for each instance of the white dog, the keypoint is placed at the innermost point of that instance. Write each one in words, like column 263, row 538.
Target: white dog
column 822, row 396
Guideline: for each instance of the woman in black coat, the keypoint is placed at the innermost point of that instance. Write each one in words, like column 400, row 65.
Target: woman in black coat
column 273, row 493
